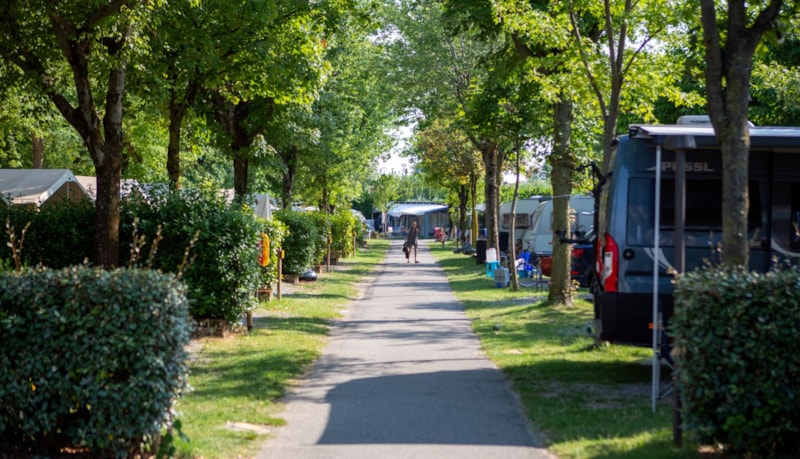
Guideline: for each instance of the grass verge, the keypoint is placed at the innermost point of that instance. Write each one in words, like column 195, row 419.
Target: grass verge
column 237, row 382
column 588, row 402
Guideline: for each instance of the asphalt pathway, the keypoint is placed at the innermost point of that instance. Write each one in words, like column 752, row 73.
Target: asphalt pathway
column 403, row 376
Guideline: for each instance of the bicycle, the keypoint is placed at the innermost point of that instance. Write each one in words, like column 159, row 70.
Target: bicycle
column 529, row 269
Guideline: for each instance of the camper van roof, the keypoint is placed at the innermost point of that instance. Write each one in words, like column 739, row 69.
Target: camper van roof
column 703, row 136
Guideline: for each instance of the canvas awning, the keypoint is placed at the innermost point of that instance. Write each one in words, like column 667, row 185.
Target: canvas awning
column 415, row 209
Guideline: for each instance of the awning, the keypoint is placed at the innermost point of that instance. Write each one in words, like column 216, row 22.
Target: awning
column 415, row 209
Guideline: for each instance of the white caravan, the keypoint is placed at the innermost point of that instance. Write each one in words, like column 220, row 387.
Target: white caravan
column 522, row 221
column 538, row 237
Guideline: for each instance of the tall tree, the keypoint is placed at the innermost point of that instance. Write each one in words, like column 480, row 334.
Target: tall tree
column 351, row 117
column 449, row 159
column 77, row 53
column 729, row 60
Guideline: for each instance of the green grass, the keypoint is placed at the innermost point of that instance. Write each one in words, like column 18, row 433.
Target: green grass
column 242, row 378
column 587, row 401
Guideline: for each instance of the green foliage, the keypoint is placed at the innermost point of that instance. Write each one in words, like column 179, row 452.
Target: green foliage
column 300, row 242
column 343, row 225
column 526, row 190
column 323, row 223
column 223, row 263
column 60, row 235
column 90, row 358
column 736, row 336
column 276, row 230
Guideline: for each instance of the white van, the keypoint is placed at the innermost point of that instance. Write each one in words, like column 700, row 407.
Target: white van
column 538, row 237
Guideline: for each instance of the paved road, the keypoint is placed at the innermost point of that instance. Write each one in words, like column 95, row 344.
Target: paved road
column 403, row 376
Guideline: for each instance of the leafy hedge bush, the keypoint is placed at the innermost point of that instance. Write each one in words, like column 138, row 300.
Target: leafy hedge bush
column 323, row 223
column 60, row 235
column 91, row 359
column 343, row 225
column 223, row 269
column 300, row 242
column 276, row 230
column 736, row 333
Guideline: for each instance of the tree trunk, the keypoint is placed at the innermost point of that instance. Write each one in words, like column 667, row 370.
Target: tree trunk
column 727, row 107
column 473, row 178
column 177, row 112
column 241, row 167
column 289, row 160
column 463, row 202
column 107, row 208
column 37, row 145
column 493, row 161
column 560, row 291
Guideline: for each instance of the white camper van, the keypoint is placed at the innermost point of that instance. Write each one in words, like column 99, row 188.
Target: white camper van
column 538, row 237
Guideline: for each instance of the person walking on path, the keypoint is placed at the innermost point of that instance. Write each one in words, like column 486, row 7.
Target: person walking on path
column 412, row 241
column 404, row 376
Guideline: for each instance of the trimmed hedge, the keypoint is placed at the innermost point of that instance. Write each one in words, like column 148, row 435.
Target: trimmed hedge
column 300, row 242
column 343, row 225
column 223, row 269
column 60, row 234
column 738, row 365
column 91, row 359
column 323, row 223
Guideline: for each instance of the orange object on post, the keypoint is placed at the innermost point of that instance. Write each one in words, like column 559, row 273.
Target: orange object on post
column 263, row 258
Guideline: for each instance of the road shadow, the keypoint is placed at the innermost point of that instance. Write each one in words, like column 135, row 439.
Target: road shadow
column 469, row 407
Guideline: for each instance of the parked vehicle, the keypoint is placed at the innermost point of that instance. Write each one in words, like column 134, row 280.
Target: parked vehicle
column 522, row 218
column 538, row 237
column 582, row 266
column 629, row 244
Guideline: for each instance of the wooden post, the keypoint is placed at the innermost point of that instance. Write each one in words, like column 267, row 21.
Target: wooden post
column 280, row 272
column 329, row 255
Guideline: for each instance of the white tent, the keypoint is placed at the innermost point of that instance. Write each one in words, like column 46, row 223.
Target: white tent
column 37, row 186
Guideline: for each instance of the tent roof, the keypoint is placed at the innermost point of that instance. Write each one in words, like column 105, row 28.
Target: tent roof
column 400, row 209
column 34, row 186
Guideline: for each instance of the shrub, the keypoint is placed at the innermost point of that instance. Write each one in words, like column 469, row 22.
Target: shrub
column 343, row 223
column 91, row 359
column 323, row 223
column 276, row 230
column 223, row 272
column 736, row 333
column 60, row 234
column 300, row 241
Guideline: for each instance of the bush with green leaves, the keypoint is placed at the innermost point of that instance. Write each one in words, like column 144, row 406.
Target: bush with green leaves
column 221, row 270
column 323, row 222
column 300, row 242
column 91, row 359
column 60, row 234
column 276, row 231
column 736, row 335
column 343, row 223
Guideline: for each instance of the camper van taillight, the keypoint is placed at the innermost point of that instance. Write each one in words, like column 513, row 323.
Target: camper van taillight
column 610, row 264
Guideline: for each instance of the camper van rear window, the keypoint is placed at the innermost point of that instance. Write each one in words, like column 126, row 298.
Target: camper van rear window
column 703, row 207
